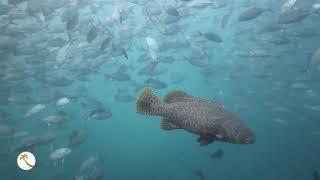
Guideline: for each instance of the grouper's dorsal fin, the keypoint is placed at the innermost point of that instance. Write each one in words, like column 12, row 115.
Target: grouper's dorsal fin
column 177, row 96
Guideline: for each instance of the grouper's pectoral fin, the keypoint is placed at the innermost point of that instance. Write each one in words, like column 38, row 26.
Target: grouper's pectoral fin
column 165, row 124
column 206, row 139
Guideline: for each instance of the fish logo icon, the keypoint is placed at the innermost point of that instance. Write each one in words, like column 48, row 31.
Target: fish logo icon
column 26, row 161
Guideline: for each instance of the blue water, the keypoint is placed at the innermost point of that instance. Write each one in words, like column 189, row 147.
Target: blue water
column 277, row 95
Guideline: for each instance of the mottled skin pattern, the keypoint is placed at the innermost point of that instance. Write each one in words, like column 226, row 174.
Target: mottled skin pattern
column 208, row 119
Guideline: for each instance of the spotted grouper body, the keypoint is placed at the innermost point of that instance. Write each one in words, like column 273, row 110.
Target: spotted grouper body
column 208, row 119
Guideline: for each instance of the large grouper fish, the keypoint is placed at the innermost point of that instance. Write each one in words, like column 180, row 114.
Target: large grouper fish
column 208, row 119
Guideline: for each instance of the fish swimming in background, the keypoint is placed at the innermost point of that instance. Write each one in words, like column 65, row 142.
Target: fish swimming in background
column 53, row 120
column 88, row 164
column 155, row 83
column 118, row 76
column 225, row 19
column 105, row 43
column 76, row 139
column 211, row 36
column 35, row 109
column 217, row 154
column 123, row 97
column 316, row 8
column 171, row 10
column 252, row 13
column 60, row 153
column 199, row 174
column 63, row 101
column 100, row 114
column 316, row 175
column 33, row 141
column 92, row 34
column 294, row 16
column 288, row 5
column 125, row 54
column 97, row 174
column 208, row 119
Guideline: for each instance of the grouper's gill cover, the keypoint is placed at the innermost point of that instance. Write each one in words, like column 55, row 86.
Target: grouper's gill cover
column 208, row 119
column 149, row 104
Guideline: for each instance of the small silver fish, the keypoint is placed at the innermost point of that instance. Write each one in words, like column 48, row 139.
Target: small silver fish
column 60, row 153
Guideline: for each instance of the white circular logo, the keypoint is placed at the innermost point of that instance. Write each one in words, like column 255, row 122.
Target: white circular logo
column 26, row 161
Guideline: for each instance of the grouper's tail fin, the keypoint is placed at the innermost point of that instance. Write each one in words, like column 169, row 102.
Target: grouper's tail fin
column 149, row 103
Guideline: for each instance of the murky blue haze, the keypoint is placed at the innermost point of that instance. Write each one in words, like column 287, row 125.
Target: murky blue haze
column 72, row 70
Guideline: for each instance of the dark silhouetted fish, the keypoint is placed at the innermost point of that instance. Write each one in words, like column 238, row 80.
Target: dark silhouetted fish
column 92, row 103
column 199, row 174
column 32, row 141
column 294, row 16
column 50, row 6
column 96, row 174
column 211, row 36
column 217, row 154
column 123, row 98
column 76, row 138
column 71, row 17
column 251, row 13
column 56, row 42
column 150, row 69
column 125, row 54
column 26, row 143
column 100, row 114
column 225, row 19
column 47, row 138
column 88, row 164
column 198, row 62
column 105, row 43
column 92, row 34
column 118, row 76
column 208, row 119
column 316, row 175
column 72, row 22
column 53, row 120
column 171, row 11
column 278, row 39
column 155, row 83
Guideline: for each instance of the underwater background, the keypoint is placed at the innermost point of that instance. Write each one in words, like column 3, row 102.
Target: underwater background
column 73, row 69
